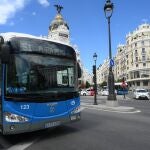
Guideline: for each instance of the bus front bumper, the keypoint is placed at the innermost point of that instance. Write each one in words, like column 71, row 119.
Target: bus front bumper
column 16, row 128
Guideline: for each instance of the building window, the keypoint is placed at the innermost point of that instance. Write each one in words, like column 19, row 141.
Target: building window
column 136, row 53
column 138, row 83
column 142, row 43
column 145, row 83
column 144, row 64
column 137, row 74
column 136, row 59
column 143, row 58
column 143, row 50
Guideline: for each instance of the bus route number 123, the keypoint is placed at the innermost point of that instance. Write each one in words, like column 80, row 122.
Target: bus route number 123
column 24, row 106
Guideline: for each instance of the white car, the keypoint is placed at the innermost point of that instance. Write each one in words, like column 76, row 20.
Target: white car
column 105, row 92
column 87, row 92
column 141, row 94
column 83, row 92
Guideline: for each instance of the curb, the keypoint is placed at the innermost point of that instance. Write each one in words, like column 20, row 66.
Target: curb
column 119, row 109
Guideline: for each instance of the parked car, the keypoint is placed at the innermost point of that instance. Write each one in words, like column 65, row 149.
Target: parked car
column 141, row 94
column 87, row 92
column 105, row 92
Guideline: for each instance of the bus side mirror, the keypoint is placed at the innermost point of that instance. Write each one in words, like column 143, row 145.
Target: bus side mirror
column 79, row 71
column 5, row 53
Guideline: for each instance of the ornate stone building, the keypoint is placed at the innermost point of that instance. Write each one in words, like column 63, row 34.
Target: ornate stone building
column 59, row 30
column 120, row 63
column 132, row 60
column 138, row 57
column 102, row 72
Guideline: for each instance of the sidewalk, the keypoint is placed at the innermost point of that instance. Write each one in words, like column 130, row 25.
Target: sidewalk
column 103, row 106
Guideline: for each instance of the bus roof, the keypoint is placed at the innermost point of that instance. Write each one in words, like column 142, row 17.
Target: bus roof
column 8, row 35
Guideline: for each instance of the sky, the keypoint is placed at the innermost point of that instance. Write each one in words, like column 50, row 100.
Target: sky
column 86, row 20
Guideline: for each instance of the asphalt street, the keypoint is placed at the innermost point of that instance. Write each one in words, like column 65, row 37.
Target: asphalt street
column 97, row 130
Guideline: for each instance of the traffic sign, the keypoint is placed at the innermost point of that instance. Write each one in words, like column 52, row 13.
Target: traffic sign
column 111, row 63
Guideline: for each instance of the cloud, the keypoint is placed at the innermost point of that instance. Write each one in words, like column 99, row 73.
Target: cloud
column 8, row 9
column 44, row 3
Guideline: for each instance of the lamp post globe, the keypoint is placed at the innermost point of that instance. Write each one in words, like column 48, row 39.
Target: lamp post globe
column 111, row 99
column 95, row 80
column 108, row 9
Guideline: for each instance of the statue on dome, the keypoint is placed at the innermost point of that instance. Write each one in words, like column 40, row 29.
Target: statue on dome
column 59, row 8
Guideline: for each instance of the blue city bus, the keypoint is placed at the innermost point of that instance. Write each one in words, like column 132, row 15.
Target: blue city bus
column 120, row 89
column 39, row 84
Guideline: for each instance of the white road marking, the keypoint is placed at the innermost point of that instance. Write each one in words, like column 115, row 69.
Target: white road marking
column 109, row 109
column 117, row 111
column 21, row 146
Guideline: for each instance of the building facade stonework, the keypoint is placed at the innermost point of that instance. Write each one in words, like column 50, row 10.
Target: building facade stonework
column 138, row 57
column 59, row 30
column 102, row 72
column 132, row 60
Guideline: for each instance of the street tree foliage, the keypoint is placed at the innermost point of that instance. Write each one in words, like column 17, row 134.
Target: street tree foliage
column 104, row 83
column 87, row 84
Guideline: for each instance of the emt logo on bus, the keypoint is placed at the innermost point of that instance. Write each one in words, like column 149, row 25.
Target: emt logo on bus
column 73, row 102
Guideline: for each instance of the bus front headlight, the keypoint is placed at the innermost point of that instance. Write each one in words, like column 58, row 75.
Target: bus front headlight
column 76, row 110
column 10, row 117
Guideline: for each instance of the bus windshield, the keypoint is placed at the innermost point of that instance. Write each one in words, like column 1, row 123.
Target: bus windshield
column 33, row 74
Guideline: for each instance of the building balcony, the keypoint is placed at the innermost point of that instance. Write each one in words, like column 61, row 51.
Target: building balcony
column 138, row 69
column 138, row 79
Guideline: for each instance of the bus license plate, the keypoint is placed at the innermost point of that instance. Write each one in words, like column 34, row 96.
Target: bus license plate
column 73, row 118
column 52, row 124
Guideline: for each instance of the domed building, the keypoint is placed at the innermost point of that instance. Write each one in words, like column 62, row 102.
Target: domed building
column 59, row 29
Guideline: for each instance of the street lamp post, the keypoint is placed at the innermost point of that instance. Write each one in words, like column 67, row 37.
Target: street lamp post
column 108, row 9
column 95, row 80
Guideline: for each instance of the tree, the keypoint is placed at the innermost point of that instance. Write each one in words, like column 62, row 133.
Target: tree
column 87, row 84
column 119, row 80
column 104, row 83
